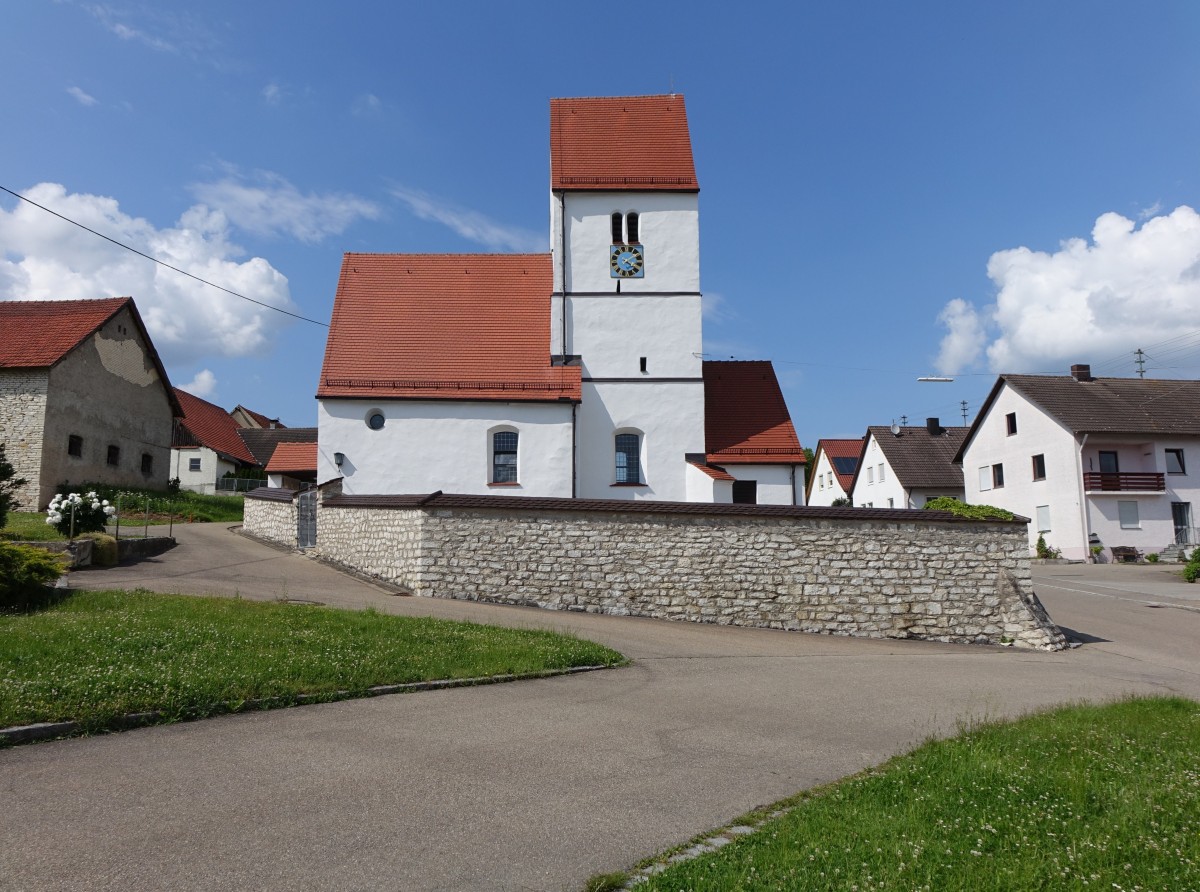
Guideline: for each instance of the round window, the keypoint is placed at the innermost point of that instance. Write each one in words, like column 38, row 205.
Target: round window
column 375, row 421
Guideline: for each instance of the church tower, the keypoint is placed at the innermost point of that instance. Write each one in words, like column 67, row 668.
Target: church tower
column 625, row 245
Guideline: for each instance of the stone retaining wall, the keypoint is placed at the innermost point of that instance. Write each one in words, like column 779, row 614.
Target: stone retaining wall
column 875, row 573
column 271, row 517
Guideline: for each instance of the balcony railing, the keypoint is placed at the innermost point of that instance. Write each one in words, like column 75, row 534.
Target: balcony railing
column 1132, row 482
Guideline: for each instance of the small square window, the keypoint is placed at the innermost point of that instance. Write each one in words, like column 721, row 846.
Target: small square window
column 1010, row 422
column 75, row 445
column 1039, row 467
column 193, row 464
column 1175, row 463
column 147, row 463
column 114, row 455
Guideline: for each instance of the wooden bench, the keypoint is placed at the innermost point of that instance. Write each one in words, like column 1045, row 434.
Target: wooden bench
column 1126, row 554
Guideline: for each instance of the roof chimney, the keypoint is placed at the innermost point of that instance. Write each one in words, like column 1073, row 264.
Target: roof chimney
column 1081, row 372
column 933, row 426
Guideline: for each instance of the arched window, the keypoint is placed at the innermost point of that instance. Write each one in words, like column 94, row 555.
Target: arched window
column 628, row 455
column 504, row 457
column 631, row 228
column 618, row 229
column 625, row 228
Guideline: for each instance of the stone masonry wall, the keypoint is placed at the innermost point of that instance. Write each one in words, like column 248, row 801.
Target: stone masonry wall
column 911, row 577
column 272, row 520
column 22, row 423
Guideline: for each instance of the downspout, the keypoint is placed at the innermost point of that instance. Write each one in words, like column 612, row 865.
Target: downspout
column 562, row 267
column 793, row 484
column 1083, row 518
column 574, row 449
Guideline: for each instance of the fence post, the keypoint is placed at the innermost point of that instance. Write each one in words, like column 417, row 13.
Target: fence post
column 117, row 534
column 146, row 531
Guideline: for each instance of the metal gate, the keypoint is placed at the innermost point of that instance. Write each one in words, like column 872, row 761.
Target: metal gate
column 306, row 519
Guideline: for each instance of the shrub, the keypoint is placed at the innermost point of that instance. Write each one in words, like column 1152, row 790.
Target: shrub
column 9, row 481
column 1191, row 571
column 104, row 549
column 976, row 512
column 1152, row 558
column 1047, row 552
column 77, row 514
column 25, row 571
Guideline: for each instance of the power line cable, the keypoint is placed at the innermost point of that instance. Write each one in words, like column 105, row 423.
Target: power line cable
column 161, row 262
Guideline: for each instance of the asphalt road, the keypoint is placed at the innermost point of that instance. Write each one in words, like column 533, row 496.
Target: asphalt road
column 534, row 785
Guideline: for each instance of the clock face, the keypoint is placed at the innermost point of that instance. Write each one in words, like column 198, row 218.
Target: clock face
column 626, row 262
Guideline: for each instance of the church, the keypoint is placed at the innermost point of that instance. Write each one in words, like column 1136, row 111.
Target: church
column 577, row 373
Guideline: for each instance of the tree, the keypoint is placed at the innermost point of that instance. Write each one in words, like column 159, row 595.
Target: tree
column 9, row 483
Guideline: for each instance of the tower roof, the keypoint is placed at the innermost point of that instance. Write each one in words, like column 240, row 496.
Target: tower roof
column 621, row 143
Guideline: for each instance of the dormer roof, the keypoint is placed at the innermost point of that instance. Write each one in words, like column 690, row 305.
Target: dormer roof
column 621, row 143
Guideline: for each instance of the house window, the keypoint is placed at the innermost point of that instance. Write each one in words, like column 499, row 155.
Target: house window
column 504, row 457
column 1039, row 467
column 147, row 463
column 1175, row 462
column 375, row 420
column 870, row 475
column 745, row 492
column 114, row 455
column 881, row 473
column 193, row 464
column 1109, row 463
column 642, row 363
column 1043, row 518
column 820, row 481
column 75, row 445
column 618, row 229
column 631, row 227
column 1128, row 514
column 997, row 476
column 629, row 447
column 891, row 503
column 1010, row 422
column 985, row 478
column 625, row 228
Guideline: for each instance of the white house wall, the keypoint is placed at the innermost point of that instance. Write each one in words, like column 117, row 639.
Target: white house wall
column 612, row 332
column 212, row 468
column 700, row 487
column 777, row 484
column 444, row 445
column 670, row 418
column 1037, row 434
column 823, row 492
column 869, row 490
column 668, row 228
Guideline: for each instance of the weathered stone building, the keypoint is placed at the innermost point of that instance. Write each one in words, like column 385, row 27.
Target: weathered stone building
column 84, row 397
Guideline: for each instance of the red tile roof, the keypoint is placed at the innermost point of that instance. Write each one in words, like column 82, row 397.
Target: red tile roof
column 444, row 327
column 746, row 420
column 210, row 425
column 714, row 472
column 840, row 449
column 621, row 142
column 39, row 333
column 293, row 457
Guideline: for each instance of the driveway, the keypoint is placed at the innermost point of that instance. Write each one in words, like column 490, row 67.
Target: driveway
column 534, row 785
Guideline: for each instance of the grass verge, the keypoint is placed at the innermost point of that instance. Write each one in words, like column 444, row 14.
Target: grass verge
column 98, row 656
column 26, row 526
column 1081, row 798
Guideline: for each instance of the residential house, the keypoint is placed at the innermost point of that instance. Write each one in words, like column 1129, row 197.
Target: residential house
column 262, row 441
column 251, row 420
column 207, row 445
column 293, row 466
column 575, row 373
column 832, row 475
column 84, row 397
column 905, row 467
column 1091, row 461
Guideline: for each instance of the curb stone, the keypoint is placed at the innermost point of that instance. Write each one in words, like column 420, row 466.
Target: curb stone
column 48, row 730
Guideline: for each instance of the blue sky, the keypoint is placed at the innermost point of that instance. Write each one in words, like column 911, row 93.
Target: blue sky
column 888, row 190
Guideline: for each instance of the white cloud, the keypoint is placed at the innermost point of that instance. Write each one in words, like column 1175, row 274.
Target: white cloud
column 273, row 206
column 272, row 93
column 366, row 105
column 469, row 224
column 203, row 385
column 1127, row 288
column 715, row 308
column 46, row 258
column 81, row 97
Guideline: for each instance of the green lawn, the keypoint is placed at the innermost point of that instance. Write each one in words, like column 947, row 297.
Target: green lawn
column 180, row 507
column 1082, row 798
column 26, row 526
column 101, row 655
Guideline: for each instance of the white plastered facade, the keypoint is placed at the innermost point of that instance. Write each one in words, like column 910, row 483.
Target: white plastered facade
column 204, row 479
column 826, row 487
column 1070, row 518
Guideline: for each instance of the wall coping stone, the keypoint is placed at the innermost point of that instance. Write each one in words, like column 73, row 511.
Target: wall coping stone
column 272, row 494
column 620, row 506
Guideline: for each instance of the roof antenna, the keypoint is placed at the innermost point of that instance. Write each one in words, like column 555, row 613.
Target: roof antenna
column 1140, row 360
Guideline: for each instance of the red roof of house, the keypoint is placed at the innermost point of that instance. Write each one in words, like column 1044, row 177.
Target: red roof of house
column 746, row 420
column 211, row 426
column 262, row 419
column 293, row 457
column 621, row 142
column 38, row 333
column 841, row 449
column 712, row 471
column 444, row 327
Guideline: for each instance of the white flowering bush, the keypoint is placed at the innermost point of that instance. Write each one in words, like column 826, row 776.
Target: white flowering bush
column 90, row 511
